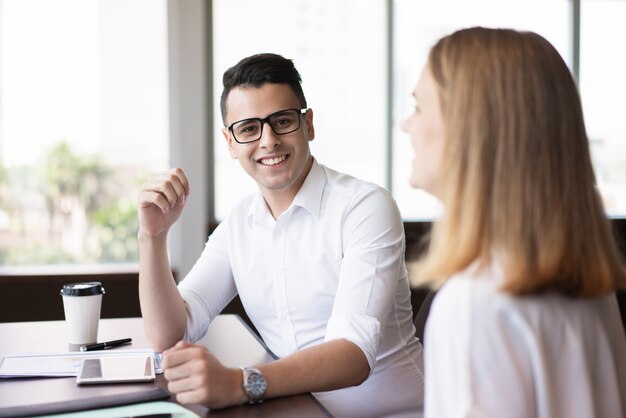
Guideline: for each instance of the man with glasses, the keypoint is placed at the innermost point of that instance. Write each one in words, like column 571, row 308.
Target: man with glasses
column 316, row 256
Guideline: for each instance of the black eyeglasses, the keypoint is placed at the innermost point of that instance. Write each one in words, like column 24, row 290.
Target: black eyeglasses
column 282, row 122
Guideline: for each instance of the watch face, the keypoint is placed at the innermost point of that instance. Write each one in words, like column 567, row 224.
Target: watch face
column 256, row 384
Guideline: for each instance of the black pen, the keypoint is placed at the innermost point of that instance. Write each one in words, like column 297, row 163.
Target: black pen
column 105, row 345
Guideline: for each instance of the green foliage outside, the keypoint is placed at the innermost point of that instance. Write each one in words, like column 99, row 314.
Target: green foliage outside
column 114, row 233
column 68, row 209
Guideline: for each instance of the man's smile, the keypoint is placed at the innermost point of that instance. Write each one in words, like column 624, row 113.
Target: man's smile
column 273, row 160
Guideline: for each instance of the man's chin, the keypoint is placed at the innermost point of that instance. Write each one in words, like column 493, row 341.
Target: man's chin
column 274, row 185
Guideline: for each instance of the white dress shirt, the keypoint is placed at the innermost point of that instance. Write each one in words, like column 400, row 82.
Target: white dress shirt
column 489, row 354
column 330, row 267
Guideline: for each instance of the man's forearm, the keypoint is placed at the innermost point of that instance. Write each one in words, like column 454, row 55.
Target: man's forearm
column 332, row 365
column 162, row 307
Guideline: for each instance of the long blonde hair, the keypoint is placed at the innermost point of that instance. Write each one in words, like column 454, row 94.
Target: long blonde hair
column 516, row 177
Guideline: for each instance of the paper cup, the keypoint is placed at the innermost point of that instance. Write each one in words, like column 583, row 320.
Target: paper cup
column 81, row 303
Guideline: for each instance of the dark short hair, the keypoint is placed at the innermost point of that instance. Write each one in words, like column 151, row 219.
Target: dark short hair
column 256, row 70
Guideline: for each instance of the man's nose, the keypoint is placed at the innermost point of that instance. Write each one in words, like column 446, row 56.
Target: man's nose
column 268, row 138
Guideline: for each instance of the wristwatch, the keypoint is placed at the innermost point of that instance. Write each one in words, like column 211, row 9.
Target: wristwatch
column 254, row 384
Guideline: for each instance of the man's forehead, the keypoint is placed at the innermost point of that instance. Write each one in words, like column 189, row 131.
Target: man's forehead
column 252, row 102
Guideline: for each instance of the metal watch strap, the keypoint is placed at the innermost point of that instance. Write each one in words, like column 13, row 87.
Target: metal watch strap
column 255, row 391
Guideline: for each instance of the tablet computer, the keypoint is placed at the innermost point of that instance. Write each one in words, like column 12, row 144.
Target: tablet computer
column 113, row 369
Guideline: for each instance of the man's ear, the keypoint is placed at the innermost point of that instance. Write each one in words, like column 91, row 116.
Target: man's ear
column 310, row 129
column 229, row 141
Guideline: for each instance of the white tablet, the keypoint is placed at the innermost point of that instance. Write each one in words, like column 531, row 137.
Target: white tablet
column 116, row 369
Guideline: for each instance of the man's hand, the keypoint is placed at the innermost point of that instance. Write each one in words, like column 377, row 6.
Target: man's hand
column 195, row 376
column 161, row 201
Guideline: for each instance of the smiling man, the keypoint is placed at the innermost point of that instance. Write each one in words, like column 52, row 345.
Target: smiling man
column 316, row 256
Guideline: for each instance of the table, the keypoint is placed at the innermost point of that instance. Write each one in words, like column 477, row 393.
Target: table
column 228, row 338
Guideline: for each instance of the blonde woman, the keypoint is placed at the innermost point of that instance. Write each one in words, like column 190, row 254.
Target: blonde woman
column 525, row 323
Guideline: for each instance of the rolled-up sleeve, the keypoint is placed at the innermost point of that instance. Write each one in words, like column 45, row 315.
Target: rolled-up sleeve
column 372, row 264
column 362, row 330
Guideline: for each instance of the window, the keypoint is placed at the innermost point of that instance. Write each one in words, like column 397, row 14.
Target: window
column 603, row 88
column 83, row 119
column 417, row 27
column 342, row 52
column 338, row 47
column 96, row 94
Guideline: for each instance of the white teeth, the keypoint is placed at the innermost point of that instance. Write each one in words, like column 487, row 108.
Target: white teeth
column 273, row 161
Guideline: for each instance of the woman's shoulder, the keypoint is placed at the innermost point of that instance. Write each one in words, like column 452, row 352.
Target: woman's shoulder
column 490, row 310
column 474, row 298
column 474, row 287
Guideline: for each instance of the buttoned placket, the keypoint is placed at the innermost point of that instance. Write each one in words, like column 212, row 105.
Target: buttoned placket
column 280, row 282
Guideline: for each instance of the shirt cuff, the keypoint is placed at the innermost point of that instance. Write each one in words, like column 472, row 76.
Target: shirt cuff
column 362, row 330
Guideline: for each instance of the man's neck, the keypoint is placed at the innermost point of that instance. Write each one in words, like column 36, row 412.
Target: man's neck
column 278, row 201
column 277, row 204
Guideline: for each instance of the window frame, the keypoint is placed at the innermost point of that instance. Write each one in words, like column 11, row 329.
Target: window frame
column 190, row 65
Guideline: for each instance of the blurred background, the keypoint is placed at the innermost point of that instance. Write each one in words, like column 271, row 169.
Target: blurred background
column 97, row 94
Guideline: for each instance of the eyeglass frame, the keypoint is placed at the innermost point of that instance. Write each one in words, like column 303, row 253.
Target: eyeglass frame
column 265, row 120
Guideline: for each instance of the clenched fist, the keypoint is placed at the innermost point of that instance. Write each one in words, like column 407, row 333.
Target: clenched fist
column 161, row 201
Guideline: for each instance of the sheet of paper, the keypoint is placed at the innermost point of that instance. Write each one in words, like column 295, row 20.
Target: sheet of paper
column 60, row 363
column 139, row 409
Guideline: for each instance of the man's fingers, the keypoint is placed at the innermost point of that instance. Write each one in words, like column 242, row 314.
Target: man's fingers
column 187, row 383
column 183, row 344
column 177, row 179
column 181, row 354
column 165, row 188
column 179, row 344
column 148, row 198
column 181, row 179
column 173, row 189
column 197, row 396
column 172, row 360
column 192, row 372
column 169, row 192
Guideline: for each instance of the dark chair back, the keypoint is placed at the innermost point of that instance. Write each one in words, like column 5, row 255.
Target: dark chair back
column 422, row 315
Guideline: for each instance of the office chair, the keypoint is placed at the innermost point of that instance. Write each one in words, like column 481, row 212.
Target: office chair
column 422, row 315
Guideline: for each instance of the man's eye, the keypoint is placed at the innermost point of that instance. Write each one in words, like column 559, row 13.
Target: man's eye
column 247, row 129
column 282, row 122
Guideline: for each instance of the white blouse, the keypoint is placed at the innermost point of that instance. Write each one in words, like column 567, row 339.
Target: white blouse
column 489, row 354
column 330, row 267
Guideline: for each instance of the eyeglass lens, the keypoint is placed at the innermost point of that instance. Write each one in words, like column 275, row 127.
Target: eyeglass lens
column 283, row 122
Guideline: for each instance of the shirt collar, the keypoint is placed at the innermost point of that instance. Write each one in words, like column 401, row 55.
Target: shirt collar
column 310, row 194
column 308, row 197
column 259, row 212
